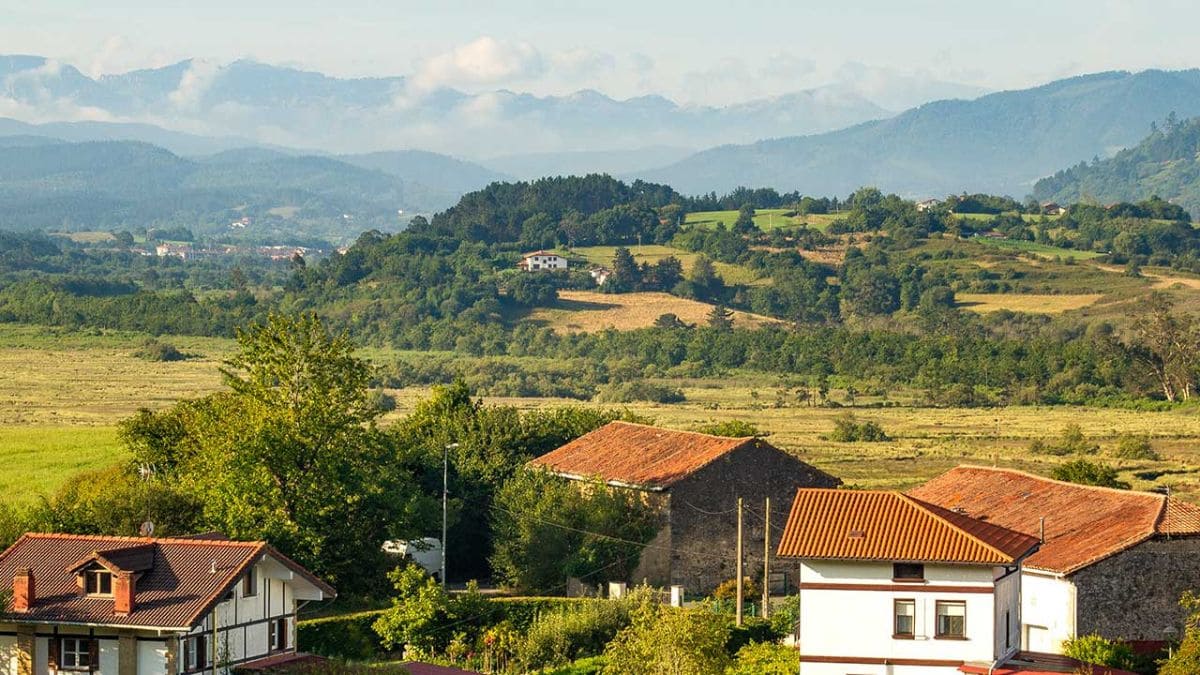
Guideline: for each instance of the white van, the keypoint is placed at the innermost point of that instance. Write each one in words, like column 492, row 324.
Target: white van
column 425, row 552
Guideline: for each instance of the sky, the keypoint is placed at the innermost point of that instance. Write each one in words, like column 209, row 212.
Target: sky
column 698, row 51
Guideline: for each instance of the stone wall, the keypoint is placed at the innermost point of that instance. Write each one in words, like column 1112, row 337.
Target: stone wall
column 703, row 514
column 1134, row 595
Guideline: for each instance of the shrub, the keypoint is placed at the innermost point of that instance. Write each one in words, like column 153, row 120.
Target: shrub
column 348, row 636
column 1100, row 651
column 670, row 640
column 560, row 637
column 785, row 614
column 1130, row 446
column 730, row 429
column 751, row 591
column 846, row 429
column 752, row 630
column 1070, row 442
column 1084, row 472
column 765, row 658
column 153, row 350
column 639, row 390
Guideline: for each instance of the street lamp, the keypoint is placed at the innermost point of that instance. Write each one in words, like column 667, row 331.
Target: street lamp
column 445, row 500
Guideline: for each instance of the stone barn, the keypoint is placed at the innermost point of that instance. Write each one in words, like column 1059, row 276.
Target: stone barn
column 1113, row 562
column 694, row 480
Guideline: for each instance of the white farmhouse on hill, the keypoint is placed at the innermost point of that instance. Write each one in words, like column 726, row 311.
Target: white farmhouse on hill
column 542, row 260
column 890, row 585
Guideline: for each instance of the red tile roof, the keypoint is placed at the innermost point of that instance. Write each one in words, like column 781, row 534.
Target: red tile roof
column 1083, row 524
column 176, row 588
column 863, row 525
column 638, row 455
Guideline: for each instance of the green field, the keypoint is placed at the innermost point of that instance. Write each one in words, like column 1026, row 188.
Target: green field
column 58, row 418
column 652, row 253
column 1037, row 249
column 1027, row 217
column 765, row 219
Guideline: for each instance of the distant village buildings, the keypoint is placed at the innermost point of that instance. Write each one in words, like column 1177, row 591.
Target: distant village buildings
column 1053, row 209
column 694, row 480
column 927, row 204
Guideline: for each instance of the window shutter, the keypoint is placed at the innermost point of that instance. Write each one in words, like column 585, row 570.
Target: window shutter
column 283, row 633
column 55, row 646
column 93, row 655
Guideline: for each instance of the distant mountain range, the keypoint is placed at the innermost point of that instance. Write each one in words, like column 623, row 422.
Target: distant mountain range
column 1166, row 163
column 1000, row 143
column 264, row 104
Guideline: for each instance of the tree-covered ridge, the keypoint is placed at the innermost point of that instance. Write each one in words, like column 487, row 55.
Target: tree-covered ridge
column 1165, row 163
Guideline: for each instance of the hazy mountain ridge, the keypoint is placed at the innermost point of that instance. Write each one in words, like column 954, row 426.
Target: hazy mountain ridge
column 1166, row 163
column 1000, row 143
column 266, row 104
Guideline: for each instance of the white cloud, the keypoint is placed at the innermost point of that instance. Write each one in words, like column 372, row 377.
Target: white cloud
column 483, row 61
column 582, row 63
column 195, row 81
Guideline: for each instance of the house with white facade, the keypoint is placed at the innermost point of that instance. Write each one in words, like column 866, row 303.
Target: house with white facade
column 542, row 261
column 142, row 606
column 891, row 585
column 1112, row 562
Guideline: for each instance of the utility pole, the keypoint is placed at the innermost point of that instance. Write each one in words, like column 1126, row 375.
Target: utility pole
column 766, row 608
column 738, row 608
column 445, row 501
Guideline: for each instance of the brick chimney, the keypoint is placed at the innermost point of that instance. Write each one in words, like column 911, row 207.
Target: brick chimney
column 24, row 590
column 124, row 588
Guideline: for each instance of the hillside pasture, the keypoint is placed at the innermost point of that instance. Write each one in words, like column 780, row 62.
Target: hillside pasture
column 652, row 253
column 37, row 460
column 1040, row 250
column 1026, row 302
column 765, row 219
column 590, row 311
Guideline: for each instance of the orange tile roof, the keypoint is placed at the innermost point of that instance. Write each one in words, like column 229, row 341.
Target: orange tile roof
column 1084, row 524
column 638, row 455
column 869, row 525
column 177, row 588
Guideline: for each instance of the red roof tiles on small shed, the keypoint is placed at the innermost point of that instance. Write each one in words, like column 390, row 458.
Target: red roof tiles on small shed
column 1083, row 524
column 865, row 525
column 638, row 455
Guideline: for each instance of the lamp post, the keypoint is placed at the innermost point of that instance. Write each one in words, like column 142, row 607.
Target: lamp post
column 445, row 501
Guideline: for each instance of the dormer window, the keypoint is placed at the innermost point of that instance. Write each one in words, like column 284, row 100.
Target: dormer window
column 908, row 572
column 98, row 581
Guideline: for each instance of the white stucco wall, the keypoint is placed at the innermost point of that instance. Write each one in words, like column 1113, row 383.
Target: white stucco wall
column 1047, row 611
column 858, row 623
column 1007, row 606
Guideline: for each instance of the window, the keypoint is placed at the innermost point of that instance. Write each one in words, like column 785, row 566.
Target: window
column 1007, row 631
column 76, row 654
column 906, row 615
column 195, row 652
column 908, row 572
column 279, row 629
column 951, row 619
column 250, row 584
column 99, row 582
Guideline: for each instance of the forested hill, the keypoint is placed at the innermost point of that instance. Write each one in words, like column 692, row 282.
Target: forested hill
column 125, row 184
column 1165, row 163
column 1000, row 143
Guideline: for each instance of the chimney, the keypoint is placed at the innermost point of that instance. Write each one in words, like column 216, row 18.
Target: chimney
column 124, row 588
column 24, row 590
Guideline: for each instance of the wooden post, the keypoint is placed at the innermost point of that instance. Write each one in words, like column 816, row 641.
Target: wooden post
column 766, row 599
column 738, row 607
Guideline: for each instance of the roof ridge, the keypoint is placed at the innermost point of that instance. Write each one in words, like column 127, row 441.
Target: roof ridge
column 232, row 543
column 930, row 509
column 1047, row 479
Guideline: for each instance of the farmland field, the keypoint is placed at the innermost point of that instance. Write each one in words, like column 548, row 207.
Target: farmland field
column 765, row 219
column 62, row 420
column 1025, row 302
column 589, row 311
column 652, row 253
column 1041, row 250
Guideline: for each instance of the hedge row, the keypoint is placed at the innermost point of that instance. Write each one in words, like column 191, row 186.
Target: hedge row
column 350, row 636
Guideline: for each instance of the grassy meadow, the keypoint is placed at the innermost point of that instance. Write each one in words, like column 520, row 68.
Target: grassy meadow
column 765, row 219
column 65, row 392
column 652, row 253
column 590, row 311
